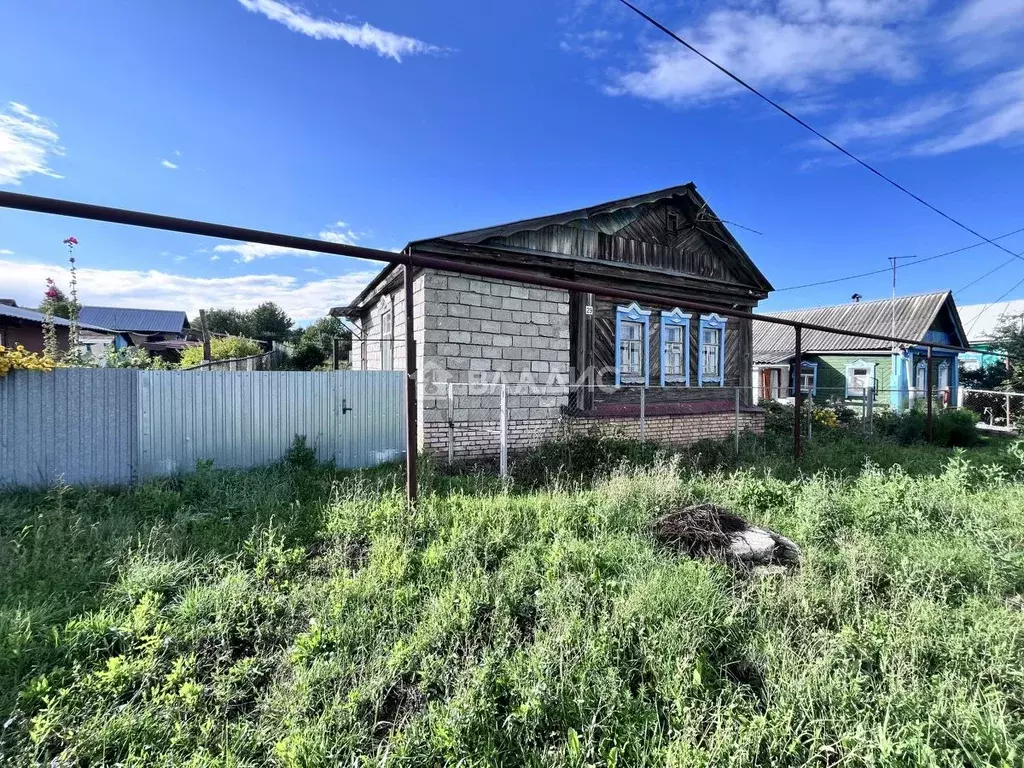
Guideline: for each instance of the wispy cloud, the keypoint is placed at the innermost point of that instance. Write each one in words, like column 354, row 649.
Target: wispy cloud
column 910, row 120
column 303, row 301
column 339, row 232
column 794, row 47
column 215, row 257
column 993, row 113
column 364, row 36
column 985, row 31
column 986, row 17
column 5, row 252
column 27, row 142
column 168, row 164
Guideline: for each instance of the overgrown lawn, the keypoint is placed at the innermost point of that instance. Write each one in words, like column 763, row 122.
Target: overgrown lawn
column 302, row 617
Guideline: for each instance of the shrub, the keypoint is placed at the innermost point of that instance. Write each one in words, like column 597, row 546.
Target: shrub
column 307, row 358
column 19, row 358
column 905, row 427
column 956, row 429
column 223, row 348
column 134, row 357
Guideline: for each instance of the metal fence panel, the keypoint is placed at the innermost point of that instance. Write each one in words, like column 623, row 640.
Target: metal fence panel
column 249, row 419
column 74, row 424
column 111, row 426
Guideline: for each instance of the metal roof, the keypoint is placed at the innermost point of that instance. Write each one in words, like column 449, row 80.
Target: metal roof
column 539, row 222
column 982, row 320
column 139, row 320
column 914, row 316
column 583, row 215
column 31, row 316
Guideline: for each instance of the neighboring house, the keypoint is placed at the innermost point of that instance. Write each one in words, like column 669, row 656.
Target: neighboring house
column 981, row 322
column 159, row 331
column 845, row 367
column 19, row 325
column 470, row 330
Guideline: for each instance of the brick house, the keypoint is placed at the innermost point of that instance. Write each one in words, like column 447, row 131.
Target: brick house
column 574, row 360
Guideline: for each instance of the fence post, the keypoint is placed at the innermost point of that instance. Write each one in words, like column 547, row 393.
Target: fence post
column 869, row 417
column 798, row 363
column 737, row 421
column 1009, row 418
column 928, row 386
column 451, row 424
column 503, row 427
column 643, row 412
column 960, row 397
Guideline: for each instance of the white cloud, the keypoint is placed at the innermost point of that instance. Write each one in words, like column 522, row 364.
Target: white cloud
column 592, row 43
column 986, row 17
column 994, row 113
column 339, row 232
column 154, row 289
column 177, row 153
column 27, row 142
column 365, row 36
column 179, row 259
column 785, row 49
column 5, row 252
column 908, row 121
column 168, row 164
column 983, row 32
column 851, row 10
column 215, row 257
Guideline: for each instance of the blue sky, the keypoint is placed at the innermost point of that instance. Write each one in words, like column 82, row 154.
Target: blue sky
column 387, row 121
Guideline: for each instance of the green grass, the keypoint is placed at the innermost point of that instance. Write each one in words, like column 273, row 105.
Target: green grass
column 297, row 616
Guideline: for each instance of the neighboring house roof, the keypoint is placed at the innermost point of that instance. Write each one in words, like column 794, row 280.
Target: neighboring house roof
column 981, row 320
column 598, row 218
column 31, row 316
column 138, row 320
column 915, row 315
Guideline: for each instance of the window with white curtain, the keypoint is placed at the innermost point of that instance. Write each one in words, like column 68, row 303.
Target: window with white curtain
column 631, row 351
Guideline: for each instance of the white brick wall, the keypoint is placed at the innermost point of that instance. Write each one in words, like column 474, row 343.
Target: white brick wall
column 374, row 346
column 481, row 331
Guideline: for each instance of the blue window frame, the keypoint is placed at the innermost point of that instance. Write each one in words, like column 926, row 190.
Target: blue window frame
column 675, row 347
column 632, row 349
column 711, row 362
column 809, row 378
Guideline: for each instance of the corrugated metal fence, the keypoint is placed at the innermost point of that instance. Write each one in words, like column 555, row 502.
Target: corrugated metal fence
column 113, row 427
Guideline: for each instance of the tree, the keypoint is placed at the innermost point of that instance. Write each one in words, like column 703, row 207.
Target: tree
column 315, row 345
column 267, row 322
column 223, row 322
column 221, row 348
column 1008, row 338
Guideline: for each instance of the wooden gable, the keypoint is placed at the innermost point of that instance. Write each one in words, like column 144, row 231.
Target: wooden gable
column 663, row 236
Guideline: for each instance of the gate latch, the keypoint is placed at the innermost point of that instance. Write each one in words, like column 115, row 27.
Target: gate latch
column 344, row 407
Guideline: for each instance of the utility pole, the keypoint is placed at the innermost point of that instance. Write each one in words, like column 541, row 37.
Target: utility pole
column 206, row 337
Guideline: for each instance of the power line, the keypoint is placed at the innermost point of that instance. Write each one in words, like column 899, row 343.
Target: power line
column 989, row 306
column 979, row 279
column 919, row 261
column 813, row 130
